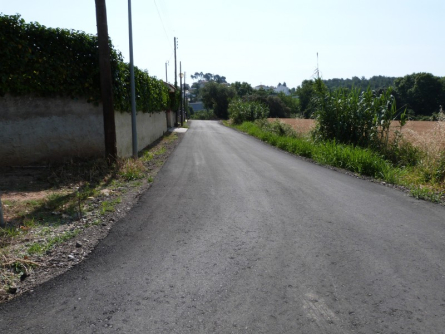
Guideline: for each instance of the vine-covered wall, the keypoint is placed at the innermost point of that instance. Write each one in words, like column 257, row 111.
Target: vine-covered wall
column 50, row 62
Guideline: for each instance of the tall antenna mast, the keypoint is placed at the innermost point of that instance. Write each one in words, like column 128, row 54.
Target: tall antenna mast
column 317, row 71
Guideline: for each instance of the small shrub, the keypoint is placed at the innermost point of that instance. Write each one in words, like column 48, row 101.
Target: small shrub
column 204, row 115
column 277, row 127
column 242, row 111
column 131, row 169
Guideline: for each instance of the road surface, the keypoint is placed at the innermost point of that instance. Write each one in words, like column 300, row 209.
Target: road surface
column 235, row 236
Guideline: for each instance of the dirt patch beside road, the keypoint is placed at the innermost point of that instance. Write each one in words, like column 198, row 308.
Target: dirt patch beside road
column 56, row 215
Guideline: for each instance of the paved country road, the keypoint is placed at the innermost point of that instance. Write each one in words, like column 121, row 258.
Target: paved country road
column 235, row 236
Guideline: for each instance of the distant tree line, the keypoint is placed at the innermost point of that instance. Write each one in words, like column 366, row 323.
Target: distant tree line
column 208, row 77
column 217, row 96
column 375, row 82
column 420, row 93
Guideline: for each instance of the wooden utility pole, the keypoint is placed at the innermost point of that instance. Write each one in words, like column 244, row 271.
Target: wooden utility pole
column 176, row 78
column 132, row 87
column 185, row 101
column 180, row 91
column 106, row 85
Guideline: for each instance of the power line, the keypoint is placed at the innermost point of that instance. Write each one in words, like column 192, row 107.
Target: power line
column 162, row 22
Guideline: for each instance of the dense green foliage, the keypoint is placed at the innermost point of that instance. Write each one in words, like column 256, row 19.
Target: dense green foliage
column 354, row 117
column 305, row 93
column 421, row 92
column 151, row 94
column 242, row 88
column 59, row 62
column 292, row 102
column 277, row 107
column 241, row 111
column 203, row 115
column 217, row 97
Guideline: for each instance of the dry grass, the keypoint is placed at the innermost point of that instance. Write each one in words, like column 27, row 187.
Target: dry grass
column 418, row 127
column 431, row 142
column 300, row 125
column 428, row 136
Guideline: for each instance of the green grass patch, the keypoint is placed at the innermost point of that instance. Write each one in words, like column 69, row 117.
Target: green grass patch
column 9, row 232
column 359, row 160
column 147, row 156
column 426, row 194
column 160, row 151
column 109, row 206
column 132, row 169
column 39, row 248
column 356, row 159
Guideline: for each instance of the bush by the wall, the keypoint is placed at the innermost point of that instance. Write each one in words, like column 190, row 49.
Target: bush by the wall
column 59, row 62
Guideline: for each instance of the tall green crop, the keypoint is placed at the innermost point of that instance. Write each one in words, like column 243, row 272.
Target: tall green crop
column 354, row 117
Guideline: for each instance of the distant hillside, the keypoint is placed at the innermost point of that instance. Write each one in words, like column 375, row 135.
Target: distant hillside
column 376, row 82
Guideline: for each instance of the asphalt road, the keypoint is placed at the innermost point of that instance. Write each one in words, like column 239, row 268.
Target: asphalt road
column 235, row 236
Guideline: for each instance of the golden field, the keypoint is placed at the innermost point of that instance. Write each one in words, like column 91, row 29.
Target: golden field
column 418, row 127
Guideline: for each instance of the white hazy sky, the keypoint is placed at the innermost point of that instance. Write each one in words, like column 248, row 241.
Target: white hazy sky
column 263, row 41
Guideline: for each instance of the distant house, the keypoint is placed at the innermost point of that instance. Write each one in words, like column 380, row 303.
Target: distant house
column 197, row 106
column 279, row 89
column 282, row 89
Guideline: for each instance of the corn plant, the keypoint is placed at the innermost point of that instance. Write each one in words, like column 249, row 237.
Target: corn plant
column 354, row 117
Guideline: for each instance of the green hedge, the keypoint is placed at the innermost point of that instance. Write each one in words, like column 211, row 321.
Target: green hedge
column 59, row 62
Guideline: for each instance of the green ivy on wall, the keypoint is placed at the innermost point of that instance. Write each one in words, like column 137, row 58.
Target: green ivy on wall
column 59, row 62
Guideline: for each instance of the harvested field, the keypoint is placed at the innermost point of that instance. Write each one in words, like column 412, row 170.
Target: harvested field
column 299, row 124
column 305, row 125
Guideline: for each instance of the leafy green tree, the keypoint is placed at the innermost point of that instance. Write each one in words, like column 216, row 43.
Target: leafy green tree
column 305, row 94
column 292, row 102
column 277, row 107
column 421, row 92
column 209, row 77
column 217, row 96
column 242, row 88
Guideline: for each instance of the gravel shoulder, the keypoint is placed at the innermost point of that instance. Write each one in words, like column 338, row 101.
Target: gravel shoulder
column 64, row 238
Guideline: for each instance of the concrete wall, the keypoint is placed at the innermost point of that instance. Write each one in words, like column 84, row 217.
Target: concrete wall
column 42, row 130
column 149, row 128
